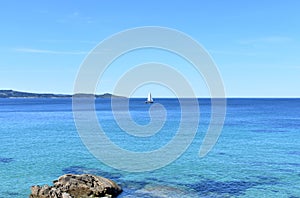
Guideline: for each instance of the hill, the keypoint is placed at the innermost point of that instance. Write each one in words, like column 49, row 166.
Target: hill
column 20, row 94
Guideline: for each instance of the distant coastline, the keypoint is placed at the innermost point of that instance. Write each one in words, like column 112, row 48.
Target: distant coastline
column 20, row 94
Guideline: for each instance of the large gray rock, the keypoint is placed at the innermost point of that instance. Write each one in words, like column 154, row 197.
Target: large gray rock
column 77, row 186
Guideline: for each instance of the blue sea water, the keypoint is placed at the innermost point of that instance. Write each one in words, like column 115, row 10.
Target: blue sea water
column 257, row 154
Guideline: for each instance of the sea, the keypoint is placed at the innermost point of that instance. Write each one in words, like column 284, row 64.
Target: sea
column 257, row 153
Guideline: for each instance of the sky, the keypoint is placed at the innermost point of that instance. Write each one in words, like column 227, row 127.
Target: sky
column 254, row 44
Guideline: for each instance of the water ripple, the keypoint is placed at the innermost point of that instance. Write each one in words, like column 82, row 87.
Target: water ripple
column 6, row 159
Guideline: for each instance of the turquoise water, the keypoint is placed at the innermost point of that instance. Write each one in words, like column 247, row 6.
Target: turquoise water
column 257, row 155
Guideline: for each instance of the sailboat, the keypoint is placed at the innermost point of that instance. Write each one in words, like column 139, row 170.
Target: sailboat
column 149, row 99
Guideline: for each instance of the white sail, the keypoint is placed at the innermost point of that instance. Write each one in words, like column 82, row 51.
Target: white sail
column 149, row 99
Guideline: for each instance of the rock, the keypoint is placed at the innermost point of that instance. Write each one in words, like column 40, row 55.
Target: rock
column 77, row 186
column 66, row 195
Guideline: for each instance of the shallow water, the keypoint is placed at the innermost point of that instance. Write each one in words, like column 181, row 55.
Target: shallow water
column 257, row 154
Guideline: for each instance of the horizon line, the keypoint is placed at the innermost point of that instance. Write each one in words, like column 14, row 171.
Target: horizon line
column 166, row 97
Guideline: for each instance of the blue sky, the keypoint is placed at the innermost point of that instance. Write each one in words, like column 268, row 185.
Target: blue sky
column 255, row 44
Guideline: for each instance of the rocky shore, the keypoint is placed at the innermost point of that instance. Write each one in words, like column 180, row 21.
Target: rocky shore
column 77, row 186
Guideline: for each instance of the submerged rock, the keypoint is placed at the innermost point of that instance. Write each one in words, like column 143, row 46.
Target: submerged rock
column 77, row 186
column 163, row 191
